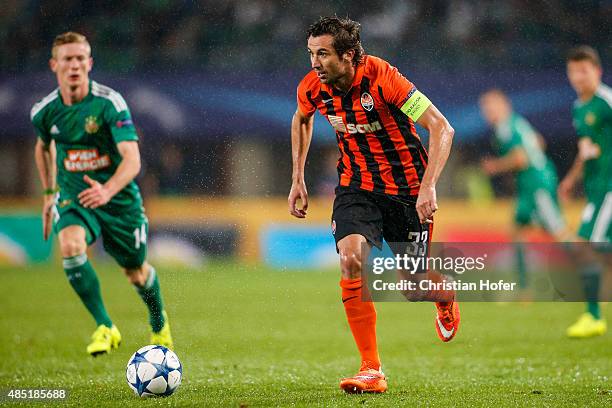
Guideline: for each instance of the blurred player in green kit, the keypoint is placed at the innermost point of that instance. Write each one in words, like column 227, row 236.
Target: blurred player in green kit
column 87, row 157
column 592, row 118
column 520, row 151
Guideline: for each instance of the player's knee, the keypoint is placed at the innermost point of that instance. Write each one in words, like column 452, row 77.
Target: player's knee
column 414, row 295
column 581, row 255
column 70, row 247
column 137, row 276
column 350, row 264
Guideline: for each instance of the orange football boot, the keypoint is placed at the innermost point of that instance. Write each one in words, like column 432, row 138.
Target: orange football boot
column 367, row 380
column 447, row 320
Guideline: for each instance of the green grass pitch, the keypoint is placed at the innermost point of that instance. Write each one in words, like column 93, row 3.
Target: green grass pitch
column 250, row 336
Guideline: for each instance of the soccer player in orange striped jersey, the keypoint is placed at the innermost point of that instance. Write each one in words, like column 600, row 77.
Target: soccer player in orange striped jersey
column 387, row 180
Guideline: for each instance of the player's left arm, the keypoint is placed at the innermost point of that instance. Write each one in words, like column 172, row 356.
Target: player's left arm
column 587, row 150
column 99, row 194
column 399, row 91
column 440, row 141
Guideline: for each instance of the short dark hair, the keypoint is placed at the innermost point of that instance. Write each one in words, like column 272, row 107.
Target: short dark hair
column 345, row 33
column 584, row 53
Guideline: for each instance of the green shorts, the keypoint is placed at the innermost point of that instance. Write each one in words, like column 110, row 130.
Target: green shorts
column 124, row 236
column 540, row 207
column 596, row 224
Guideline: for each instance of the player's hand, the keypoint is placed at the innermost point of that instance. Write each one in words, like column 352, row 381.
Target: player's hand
column 95, row 196
column 47, row 215
column 488, row 166
column 587, row 150
column 298, row 192
column 565, row 189
column 426, row 204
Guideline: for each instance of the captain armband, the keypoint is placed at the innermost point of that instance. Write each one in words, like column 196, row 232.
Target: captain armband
column 416, row 104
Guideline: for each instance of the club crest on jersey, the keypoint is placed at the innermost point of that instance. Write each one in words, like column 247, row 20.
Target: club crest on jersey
column 590, row 118
column 91, row 125
column 367, row 101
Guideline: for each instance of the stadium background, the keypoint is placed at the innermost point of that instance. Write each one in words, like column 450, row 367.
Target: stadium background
column 211, row 86
column 255, row 307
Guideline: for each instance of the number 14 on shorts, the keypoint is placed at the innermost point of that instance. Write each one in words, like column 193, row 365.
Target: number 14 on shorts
column 140, row 236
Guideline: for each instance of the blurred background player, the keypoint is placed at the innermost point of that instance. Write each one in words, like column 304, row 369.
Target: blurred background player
column 521, row 152
column 387, row 183
column 592, row 118
column 86, row 130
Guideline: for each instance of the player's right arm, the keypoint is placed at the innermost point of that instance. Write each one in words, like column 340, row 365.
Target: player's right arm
column 587, row 150
column 44, row 155
column 301, row 135
column 566, row 186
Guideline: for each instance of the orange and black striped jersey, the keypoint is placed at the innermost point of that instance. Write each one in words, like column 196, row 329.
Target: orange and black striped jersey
column 374, row 122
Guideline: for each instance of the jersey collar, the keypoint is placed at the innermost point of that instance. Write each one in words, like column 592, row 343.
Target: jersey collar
column 505, row 123
column 579, row 103
column 85, row 99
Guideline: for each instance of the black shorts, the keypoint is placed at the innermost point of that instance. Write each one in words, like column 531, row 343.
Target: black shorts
column 377, row 216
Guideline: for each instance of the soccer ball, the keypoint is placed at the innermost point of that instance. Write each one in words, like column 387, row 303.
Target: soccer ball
column 154, row 371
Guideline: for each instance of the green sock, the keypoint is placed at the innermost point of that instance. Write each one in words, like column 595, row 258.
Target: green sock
column 590, row 278
column 151, row 295
column 521, row 267
column 84, row 281
column 593, row 308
